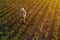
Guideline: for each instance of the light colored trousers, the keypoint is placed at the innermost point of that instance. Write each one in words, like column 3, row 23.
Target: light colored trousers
column 24, row 16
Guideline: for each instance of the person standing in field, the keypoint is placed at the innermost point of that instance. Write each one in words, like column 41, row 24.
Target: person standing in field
column 23, row 12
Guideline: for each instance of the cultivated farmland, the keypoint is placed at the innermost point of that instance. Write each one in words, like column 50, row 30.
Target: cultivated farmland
column 42, row 20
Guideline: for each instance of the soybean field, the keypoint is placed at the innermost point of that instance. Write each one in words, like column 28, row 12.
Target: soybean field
column 42, row 20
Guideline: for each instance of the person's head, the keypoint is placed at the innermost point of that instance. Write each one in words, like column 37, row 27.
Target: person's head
column 22, row 8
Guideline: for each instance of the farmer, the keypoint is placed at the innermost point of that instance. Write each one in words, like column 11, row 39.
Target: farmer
column 23, row 12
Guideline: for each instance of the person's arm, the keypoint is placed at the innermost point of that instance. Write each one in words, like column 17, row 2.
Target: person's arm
column 25, row 12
